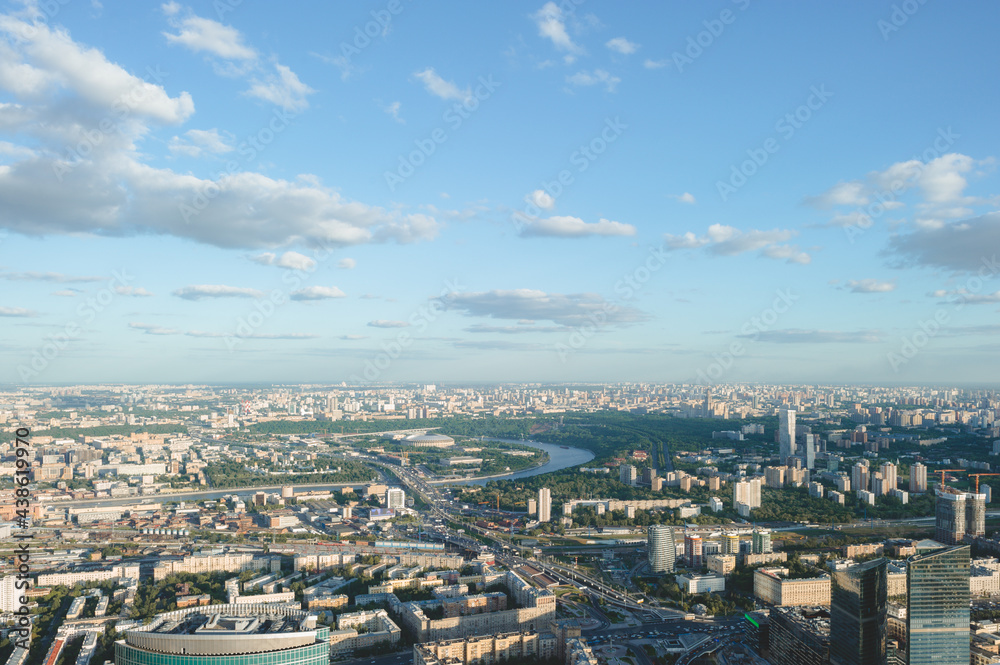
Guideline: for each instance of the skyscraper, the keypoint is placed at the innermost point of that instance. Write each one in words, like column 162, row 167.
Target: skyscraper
column 693, row 551
column 889, row 482
column 544, row 505
column 858, row 614
column 628, row 474
column 918, row 477
column 761, row 542
column 937, row 585
column 748, row 492
column 395, row 498
column 662, row 550
column 859, row 476
column 786, row 434
column 810, row 451
column 958, row 514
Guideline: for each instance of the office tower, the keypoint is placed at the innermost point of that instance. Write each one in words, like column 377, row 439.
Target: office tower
column 918, row 477
column 708, row 406
column 859, row 477
column 937, row 585
column 627, row 474
column 858, row 604
column 958, row 514
column 810, row 451
column 544, row 505
column 662, row 550
column 761, row 542
column 786, row 434
column 748, row 492
column 694, row 551
column 395, row 498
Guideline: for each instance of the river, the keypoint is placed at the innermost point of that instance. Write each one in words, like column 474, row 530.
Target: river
column 559, row 458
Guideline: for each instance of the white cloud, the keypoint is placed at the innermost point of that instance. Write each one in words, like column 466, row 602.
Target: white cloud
column 17, row 312
column 282, row 88
column 563, row 309
column 291, row 260
column 393, row 110
column 968, row 245
column 347, row 264
column 964, row 295
column 382, row 323
column 722, row 240
column 153, row 329
column 201, row 141
column 574, row 227
column 622, row 45
column 437, row 86
column 799, row 336
column 542, row 199
column 201, row 34
column 686, row 197
column 317, row 293
column 133, row 291
column 599, row 76
column 551, row 22
column 654, row 64
column 199, row 291
column 57, row 277
column 870, row 286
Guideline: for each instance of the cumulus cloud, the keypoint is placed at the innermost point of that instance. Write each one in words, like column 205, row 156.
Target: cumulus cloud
column 291, row 260
column 563, row 309
column 870, row 286
column 574, row 227
column 382, row 323
column 722, row 240
column 205, row 35
column 199, row 291
column 654, row 64
column 551, row 23
column 964, row 295
column 317, row 293
column 799, row 336
column 584, row 78
column 542, row 199
column 438, row 87
column 622, row 45
column 686, row 197
column 347, row 264
column 198, row 142
column 282, row 88
column 968, row 245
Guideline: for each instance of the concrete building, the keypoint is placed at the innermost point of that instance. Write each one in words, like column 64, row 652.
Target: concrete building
column 544, row 505
column 661, row 548
column 395, row 498
column 799, row 636
column 958, row 514
column 363, row 630
column 748, row 492
column 487, row 649
column 721, row 564
column 786, row 434
column 918, row 477
column 772, row 586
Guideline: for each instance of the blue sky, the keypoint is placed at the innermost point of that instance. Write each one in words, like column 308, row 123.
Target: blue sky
column 716, row 192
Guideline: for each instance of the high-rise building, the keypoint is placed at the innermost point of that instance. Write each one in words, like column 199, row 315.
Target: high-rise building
column 761, row 542
column 859, row 477
column 918, row 477
column 694, row 551
column 730, row 544
column 395, row 498
column 662, row 549
column 628, row 474
column 888, row 471
column 858, row 604
column 958, row 514
column 532, row 506
column 748, row 492
column 544, row 505
column 937, row 586
column 786, row 434
column 810, row 451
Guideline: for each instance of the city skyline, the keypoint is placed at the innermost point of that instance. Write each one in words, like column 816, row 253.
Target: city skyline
column 220, row 192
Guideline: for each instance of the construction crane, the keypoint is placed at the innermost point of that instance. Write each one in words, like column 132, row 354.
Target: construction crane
column 944, row 471
column 976, row 476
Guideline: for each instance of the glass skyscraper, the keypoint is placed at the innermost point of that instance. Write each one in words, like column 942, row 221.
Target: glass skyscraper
column 937, row 584
column 662, row 549
column 858, row 614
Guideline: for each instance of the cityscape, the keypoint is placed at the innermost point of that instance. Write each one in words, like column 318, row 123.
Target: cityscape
column 555, row 332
